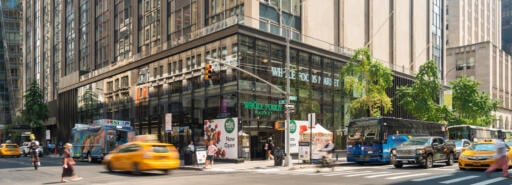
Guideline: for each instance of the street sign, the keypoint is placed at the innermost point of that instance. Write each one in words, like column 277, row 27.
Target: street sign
column 290, row 106
column 292, row 98
column 282, row 102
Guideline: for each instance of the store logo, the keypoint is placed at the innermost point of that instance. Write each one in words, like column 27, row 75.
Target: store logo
column 293, row 126
column 229, row 125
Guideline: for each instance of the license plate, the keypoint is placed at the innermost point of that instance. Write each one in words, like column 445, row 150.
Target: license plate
column 476, row 163
column 370, row 152
column 162, row 158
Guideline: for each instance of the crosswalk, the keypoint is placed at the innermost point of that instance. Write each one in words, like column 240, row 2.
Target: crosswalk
column 448, row 176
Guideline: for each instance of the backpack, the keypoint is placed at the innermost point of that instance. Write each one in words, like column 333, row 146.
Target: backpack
column 270, row 146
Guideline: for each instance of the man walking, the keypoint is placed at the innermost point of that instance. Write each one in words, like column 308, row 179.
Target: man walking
column 501, row 159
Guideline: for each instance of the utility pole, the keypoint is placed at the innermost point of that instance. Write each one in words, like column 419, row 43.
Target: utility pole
column 288, row 162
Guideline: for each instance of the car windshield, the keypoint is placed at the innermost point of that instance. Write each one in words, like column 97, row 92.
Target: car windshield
column 160, row 149
column 417, row 141
column 11, row 146
column 483, row 147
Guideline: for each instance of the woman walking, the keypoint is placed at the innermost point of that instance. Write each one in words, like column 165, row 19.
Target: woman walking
column 212, row 149
column 68, row 163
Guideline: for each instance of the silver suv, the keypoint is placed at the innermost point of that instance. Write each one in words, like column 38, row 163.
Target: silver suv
column 25, row 149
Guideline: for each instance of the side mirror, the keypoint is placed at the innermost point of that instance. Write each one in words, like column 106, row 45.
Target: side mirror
column 464, row 149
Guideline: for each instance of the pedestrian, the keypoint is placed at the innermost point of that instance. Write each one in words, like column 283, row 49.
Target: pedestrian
column 33, row 150
column 212, row 149
column 68, row 165
column 192, row 150
column 269, row 147
column 501, row 159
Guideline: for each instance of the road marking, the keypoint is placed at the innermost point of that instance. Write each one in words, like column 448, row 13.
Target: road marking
column 490, row 181
column 404, row 176
column 430, row 178
column 459, row 179
column 382, row 175
column 361, row 174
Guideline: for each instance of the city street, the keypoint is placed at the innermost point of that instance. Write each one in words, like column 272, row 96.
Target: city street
column 18, row 171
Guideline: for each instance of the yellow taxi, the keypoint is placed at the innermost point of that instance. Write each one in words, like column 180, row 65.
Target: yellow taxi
column 480, row 155
column 140, row 156
column 8, row 149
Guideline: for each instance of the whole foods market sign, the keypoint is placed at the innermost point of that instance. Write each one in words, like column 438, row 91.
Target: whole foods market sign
column 306, row 77
column 262, row 108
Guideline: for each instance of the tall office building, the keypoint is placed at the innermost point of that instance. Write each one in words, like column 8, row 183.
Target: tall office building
column 138, row 60
column 471, row 22
column 474, row 50
column 11, row 91
column 506, row 26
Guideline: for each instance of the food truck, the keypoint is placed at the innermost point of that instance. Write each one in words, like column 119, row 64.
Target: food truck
column 94, row 140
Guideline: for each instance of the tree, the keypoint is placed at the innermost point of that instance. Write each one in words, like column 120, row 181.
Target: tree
column 471, row 106
column 35, row 110
column 420, row 97
column 367, row 80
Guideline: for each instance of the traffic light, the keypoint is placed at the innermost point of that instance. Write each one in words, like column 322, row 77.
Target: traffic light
column 207, row 71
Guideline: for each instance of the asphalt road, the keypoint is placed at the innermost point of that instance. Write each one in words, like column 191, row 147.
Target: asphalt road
column 18, row 171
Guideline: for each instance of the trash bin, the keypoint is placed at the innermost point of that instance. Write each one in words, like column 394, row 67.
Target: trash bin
column 278, row 156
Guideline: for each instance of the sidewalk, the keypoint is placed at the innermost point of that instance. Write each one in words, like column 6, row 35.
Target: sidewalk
column 258, row 164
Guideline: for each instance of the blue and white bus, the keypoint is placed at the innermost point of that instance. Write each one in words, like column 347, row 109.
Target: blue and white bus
column 372, row 140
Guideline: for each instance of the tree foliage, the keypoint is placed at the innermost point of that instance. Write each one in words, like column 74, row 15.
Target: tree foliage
column 420, row 97
column 471, row 106
column 35, row 110
column 367, row 80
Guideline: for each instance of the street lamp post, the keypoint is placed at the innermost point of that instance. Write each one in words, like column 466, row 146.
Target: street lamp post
column 288, row 161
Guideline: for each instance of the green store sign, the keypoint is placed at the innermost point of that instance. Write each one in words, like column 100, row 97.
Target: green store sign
column 229, row 125
column 293, row 126
column 262, row 108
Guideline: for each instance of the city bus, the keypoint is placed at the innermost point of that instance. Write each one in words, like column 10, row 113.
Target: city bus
column 474, row 133
column 372, row 140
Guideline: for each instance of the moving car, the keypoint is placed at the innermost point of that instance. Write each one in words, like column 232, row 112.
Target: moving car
column 25, row 149
column 480, row 155
column 8, row 149
column 459, row 145
column 142, row 156
column 424, row 151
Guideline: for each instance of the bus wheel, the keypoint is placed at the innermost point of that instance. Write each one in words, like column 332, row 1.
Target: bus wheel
column 449, row 160
column 428, row 162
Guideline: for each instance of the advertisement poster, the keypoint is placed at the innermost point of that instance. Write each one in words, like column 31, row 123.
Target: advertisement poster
column 224, row 134
column 297, row 127
column 304, row 151
column 201, row 156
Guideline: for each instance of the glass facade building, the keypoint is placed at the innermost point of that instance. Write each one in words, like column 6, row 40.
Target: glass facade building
column 11, row 81
column 140, row 60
